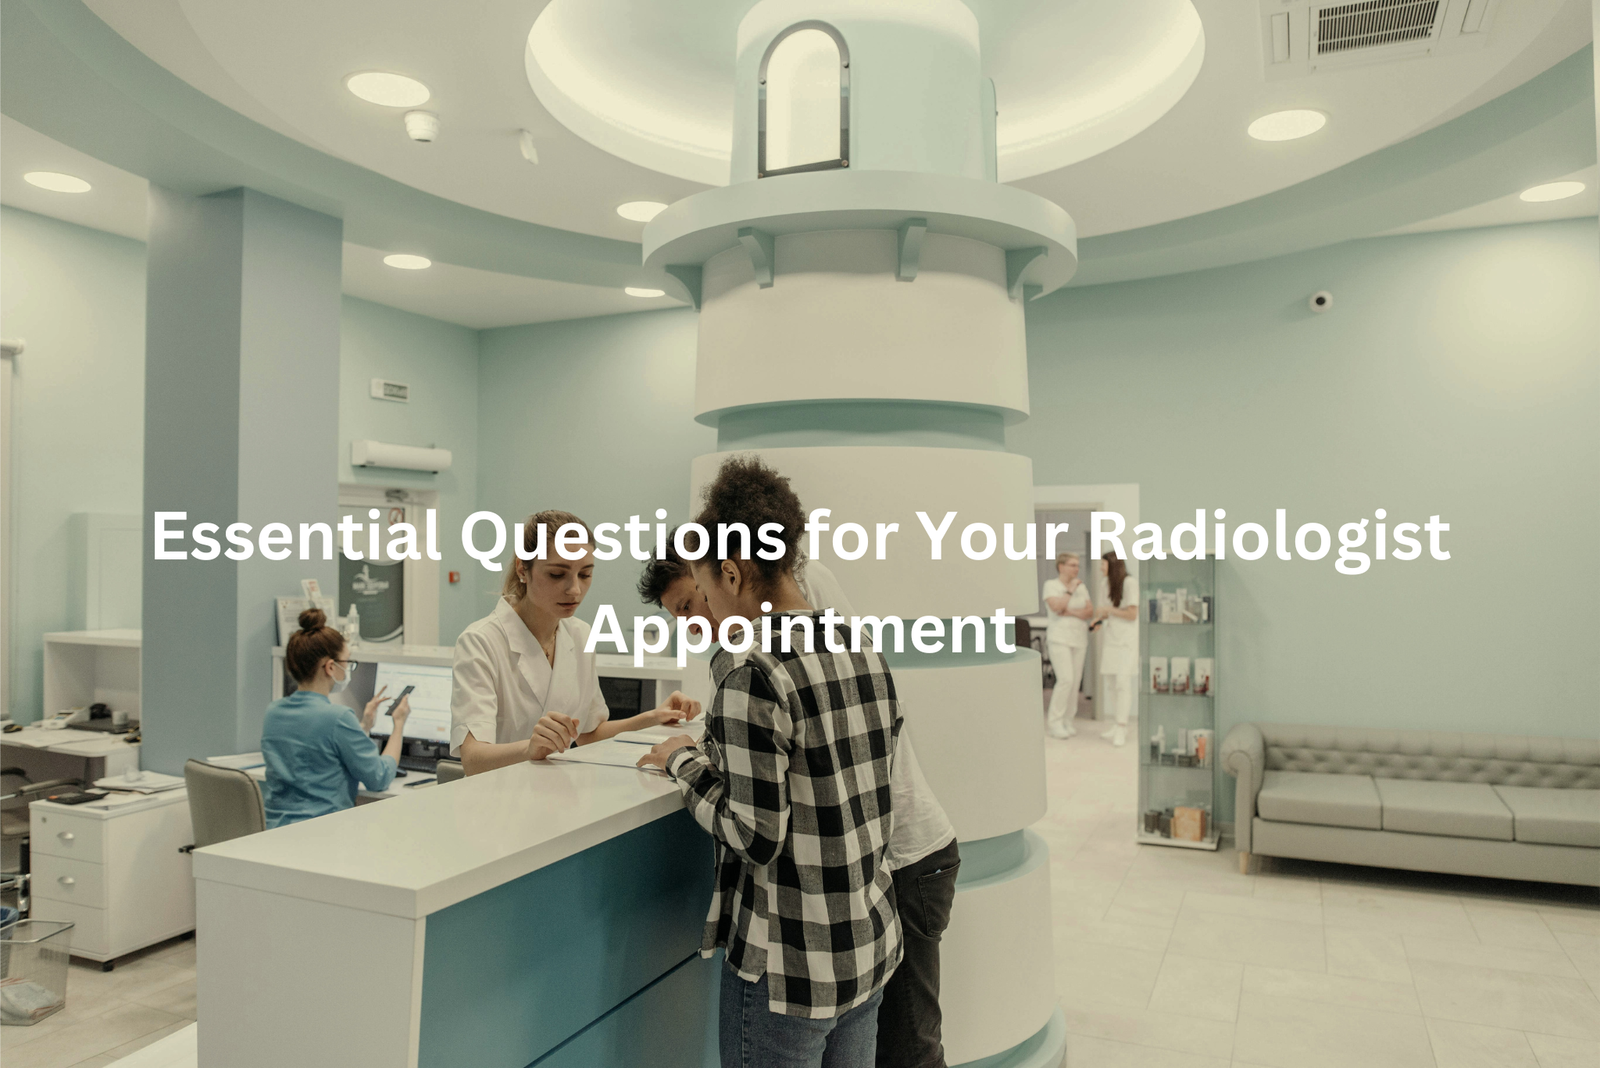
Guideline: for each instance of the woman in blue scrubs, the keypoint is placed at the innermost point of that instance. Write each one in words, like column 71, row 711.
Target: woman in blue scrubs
column 316, row 751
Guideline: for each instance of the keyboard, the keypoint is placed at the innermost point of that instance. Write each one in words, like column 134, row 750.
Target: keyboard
column 417, row 763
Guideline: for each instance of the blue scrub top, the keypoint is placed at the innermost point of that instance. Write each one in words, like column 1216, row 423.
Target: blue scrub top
column 316, row 754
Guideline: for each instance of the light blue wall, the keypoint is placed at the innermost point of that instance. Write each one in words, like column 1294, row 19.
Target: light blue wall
column 439, row 361
column 77, row 296
column 1456, row 374
column 594, row 416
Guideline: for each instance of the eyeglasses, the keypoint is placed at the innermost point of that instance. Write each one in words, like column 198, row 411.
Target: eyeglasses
column 349, row 665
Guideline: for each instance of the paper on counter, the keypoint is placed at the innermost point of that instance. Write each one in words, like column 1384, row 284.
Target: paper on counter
column 694, row 728
column 610, row 752
column 147, row 782
column 40, row 737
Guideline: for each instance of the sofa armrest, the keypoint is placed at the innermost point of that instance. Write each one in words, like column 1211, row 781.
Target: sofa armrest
column 1244, row 756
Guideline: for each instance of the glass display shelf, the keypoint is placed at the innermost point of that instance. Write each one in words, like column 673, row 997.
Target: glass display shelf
column 1177, row 652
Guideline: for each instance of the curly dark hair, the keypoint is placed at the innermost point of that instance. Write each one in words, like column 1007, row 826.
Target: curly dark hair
column 658, row 575
column 748, row 491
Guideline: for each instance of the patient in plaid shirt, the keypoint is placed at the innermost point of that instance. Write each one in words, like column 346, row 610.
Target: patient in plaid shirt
column 792, row 780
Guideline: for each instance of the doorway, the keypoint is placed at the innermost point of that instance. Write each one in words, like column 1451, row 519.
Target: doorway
column 397, row 600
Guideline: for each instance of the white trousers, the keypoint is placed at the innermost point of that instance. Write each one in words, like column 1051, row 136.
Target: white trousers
column 1116, row 695
column 1068, row 662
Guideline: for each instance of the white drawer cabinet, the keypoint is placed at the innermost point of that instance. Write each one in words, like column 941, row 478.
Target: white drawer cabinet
column 116, row 872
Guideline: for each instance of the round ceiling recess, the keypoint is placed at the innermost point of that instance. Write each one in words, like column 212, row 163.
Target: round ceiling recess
column 652, row 83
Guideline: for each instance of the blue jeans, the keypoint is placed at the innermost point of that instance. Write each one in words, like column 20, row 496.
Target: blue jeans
column 751, row 1035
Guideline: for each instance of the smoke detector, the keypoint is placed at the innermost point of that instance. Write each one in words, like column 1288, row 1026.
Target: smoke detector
column 1301, row 37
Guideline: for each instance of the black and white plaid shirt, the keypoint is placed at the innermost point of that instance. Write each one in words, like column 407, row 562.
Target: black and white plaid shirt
column 792, row 780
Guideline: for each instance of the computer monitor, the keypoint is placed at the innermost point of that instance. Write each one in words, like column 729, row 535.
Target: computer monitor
column 430, row 701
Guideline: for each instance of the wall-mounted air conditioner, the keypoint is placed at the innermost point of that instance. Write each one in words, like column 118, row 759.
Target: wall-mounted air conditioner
column 1300, row 37
column 404, row 457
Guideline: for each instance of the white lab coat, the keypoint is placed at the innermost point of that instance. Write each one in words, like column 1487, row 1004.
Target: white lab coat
column 503, row 683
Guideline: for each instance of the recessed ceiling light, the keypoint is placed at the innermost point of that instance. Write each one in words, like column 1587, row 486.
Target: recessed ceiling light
column 1287, row 125
column 390, row 90
column 407, row 262
column 640, row 291
column 56, row 182
column 1552, row 191
column 641, row 210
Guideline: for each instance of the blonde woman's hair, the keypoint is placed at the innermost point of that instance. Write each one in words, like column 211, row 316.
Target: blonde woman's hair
column 552, row 520
column 1062, row 558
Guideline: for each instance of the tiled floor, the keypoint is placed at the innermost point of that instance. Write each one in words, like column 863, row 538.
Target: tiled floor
column 1169, row 958
column 110, row 1014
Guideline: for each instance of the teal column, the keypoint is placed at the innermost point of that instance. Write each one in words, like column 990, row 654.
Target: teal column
column 241, row 425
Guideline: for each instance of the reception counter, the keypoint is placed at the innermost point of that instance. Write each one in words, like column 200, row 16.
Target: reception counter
column 543, row 914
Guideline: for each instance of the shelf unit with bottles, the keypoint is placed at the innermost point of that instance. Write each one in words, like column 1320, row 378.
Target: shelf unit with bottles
column 1177, row 704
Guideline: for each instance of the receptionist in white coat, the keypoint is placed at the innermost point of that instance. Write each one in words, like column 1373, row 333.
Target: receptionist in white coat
column 523, row 686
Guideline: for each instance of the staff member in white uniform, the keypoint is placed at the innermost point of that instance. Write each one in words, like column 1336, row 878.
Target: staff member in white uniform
column 1119, row 648
column 523, row 686
column 1068, row 606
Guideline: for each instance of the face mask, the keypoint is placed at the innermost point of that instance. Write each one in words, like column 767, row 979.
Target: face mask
column 338, row 685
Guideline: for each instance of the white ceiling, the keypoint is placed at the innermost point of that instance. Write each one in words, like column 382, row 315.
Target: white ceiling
column 473, row 298
column 284, row 63
column 486, row 299
column 1509, row 209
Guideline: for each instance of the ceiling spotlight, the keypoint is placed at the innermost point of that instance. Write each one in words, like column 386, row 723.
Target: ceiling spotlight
column 56, row 182
column 640, row 291
column 407, row 262
column 1541, row 193
column 390, row 90
column 641, row 210
column 1287, row 125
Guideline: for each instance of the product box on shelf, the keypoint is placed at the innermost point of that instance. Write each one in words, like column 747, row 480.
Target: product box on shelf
column 1178, row 674
column 1202, row 681
column 1158, row 674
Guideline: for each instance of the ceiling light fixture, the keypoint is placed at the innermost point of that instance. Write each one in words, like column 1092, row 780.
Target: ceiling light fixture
column 1287, row 125
column 56, row 182
column 641, row 210
column 640, row 291
column 1539, row 194
column 407, row 262
column 389, row 90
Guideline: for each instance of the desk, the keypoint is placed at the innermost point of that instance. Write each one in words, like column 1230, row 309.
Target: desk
column 252, row 765
column 68, row 754
column 540, row 913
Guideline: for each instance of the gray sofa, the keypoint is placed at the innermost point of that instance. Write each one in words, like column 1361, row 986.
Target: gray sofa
column 1505, row 806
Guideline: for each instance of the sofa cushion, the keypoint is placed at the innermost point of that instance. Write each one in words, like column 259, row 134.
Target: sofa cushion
column 1453, row 809
column 1554, row 817
column 1309, row 797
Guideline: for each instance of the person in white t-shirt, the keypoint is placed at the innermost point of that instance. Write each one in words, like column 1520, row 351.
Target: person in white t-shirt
column 1118, row 616
column 923, row 853
column 1069, row 608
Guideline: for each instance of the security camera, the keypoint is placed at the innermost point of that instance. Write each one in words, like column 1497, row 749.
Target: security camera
column 1320, row 301
column 422, row 125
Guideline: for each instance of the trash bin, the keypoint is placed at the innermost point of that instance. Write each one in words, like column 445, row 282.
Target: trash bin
column 33, row 970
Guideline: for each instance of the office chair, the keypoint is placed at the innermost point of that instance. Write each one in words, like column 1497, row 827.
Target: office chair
column 17, row 791
column 224, row 803
column 449, row 771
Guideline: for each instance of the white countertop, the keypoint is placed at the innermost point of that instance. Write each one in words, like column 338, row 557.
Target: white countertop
column 428, row 849
column 125, row 639
column 69, row 741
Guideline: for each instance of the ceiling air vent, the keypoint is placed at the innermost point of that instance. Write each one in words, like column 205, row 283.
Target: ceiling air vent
column 1301, row 37
column 1375, row 23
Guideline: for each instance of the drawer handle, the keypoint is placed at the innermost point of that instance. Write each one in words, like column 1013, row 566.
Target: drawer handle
column 67, row 880
column 67, row 836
